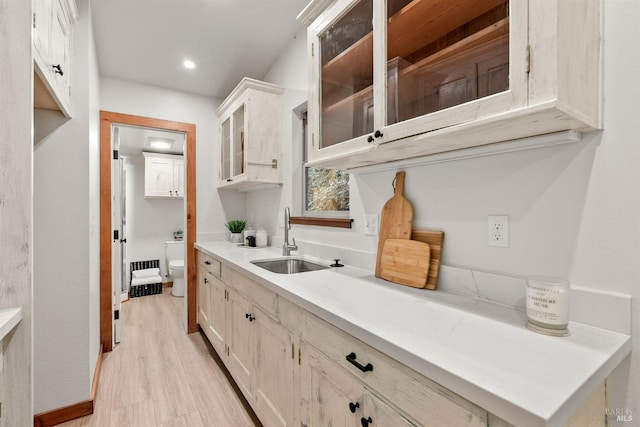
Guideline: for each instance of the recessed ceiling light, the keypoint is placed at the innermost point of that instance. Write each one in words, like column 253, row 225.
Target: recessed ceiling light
column 189, row 64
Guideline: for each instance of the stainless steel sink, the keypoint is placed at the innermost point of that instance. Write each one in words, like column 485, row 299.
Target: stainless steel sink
column 288, row 265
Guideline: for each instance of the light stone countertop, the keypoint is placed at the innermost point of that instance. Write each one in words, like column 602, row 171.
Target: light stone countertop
column 480, row 350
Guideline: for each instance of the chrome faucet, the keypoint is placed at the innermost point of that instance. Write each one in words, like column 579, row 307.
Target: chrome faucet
column 286, row 247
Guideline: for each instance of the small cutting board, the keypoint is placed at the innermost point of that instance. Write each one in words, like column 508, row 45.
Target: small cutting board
column 435, row 239
column 405, row 262
column 396, row 218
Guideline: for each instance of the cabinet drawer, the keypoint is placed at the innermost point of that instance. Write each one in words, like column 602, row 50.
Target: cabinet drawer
column 414, row 394
column 261, row 296
column 208, row 263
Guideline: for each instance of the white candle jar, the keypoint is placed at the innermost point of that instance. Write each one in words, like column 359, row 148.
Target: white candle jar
column 547, row 305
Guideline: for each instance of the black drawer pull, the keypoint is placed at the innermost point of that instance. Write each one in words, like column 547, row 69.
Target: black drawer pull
column 250, row 317
column 366, row 421
column 208, row 262
column 351, row 358
column 206, row 280
column 353, row 407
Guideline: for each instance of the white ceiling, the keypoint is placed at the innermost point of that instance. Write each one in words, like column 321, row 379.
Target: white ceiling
column 148, row 40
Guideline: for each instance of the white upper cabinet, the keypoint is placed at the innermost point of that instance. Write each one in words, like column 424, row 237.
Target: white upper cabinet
column 397, row 79
column 163, row 175
column 52, row 23
column 251, row 136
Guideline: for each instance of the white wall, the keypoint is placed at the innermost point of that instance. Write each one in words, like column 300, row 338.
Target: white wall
column 150, row 222
column 265, row 208
column 66, row 238
column 152, row 101
column 16, row 209
column 94, row 199
column 574, row 210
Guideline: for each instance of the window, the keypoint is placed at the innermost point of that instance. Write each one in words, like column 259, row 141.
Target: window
column 321, row 195
column 326, row 191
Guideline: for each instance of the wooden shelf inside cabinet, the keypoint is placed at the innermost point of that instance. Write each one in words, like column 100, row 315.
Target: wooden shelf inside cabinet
column 495, row 33
column 429, row 19
column 483, row 37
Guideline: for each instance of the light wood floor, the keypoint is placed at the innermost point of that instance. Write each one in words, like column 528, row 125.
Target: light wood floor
column 160, row 376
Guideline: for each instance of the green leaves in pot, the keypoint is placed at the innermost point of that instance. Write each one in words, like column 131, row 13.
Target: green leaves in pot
column 236, row 225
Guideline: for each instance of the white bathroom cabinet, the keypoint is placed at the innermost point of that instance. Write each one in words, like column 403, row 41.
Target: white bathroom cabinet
column 163, row 175
column 391, row 80
column 52, row 26
column 251, row 136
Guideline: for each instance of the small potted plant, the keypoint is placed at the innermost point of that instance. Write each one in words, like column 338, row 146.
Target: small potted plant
column 177, row 235
column 235, row 227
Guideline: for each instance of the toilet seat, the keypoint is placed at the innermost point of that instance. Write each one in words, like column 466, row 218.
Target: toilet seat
column 177, row 264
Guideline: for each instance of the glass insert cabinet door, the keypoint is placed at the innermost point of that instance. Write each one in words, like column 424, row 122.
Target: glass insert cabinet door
column 232, row 151
column 385, row 70
column 238, row 140
column 346, row 60
column 225, row 150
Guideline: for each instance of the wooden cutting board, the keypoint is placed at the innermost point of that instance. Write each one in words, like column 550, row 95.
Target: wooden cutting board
column 435, row 240
column 396, row 218
column 405, row 262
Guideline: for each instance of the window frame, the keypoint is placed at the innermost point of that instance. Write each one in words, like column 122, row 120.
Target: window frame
column 340, row 219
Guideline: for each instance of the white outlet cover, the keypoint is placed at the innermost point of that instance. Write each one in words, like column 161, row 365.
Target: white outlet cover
column 371, row 224
column 498, row 231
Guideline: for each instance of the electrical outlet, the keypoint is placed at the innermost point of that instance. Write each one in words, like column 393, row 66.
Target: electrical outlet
column 371, row 224
column 498, row 230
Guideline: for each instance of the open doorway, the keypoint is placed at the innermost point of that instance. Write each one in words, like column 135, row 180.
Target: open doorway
column 111, row 123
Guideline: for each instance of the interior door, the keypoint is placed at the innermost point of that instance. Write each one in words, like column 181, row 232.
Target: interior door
column 124, row 284
column 116, row 244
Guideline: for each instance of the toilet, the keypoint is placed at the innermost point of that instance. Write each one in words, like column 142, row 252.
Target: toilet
column 174, row 254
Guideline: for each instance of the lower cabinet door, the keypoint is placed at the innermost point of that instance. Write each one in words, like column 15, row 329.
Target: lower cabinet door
column 275, row 354
column 217, row 313
column 334, row 398
column 241, row 342
column 377, row 413
column 203, row 298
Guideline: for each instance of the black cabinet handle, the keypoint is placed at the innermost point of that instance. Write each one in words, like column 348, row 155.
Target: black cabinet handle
column 58, row 69
column 208, row 262
column 206, row 280
column 123, row 240
column 378, row 134
column 353, row 407
column 351, row 358
column 370, row 139
column 250, row 317
column 229, row 180
column 366, row 421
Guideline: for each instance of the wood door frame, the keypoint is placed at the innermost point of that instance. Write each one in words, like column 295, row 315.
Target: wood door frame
column 107, row 119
